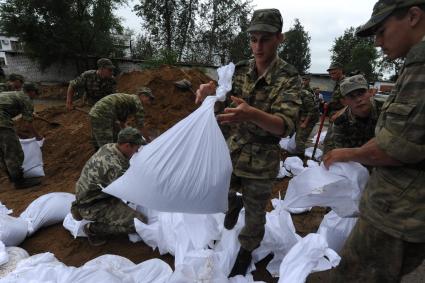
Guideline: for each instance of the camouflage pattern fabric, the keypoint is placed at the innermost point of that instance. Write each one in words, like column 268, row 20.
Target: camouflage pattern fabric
column 11, row 154
column 309, row 108
column 255, row 195
column 350, row 131
column 394, row 198
column 92, row 86
column 112, row 108
column 254, row 151
column 5, row 87
column 12, row 104
column 370, row 255
column 111, row 217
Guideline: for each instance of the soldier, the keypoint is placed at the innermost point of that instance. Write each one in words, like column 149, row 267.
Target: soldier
column 337, row 74
column 308, row 117
column 111, row 113
column 265, row 103
column 355, row 124
column 95, row 84
column 12, row 104
column 14, row 83
column 388, row 240
column 319, row 98
column 109, row 215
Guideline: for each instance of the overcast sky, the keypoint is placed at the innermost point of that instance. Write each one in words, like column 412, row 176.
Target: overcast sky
column 324, row 21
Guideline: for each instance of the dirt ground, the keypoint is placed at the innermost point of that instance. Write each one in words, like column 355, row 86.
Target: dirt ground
column 68, row 147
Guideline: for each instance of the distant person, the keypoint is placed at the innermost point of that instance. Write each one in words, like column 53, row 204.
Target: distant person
column 12, row 104
column 94, row 84
column 109, row 215
column 14, row 82
column 110, row 114
column 306, row 82
column 319, row 98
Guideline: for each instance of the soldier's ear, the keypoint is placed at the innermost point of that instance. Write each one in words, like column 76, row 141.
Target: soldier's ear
column 344, row 101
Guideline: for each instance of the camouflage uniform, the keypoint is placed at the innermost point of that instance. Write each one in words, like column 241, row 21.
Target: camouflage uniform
column 11, row 155
column 390, row 239
column 110, row 214
column 349, row 131
column 254, row 151
column 92, row 86
column 5, row 87
column 112, row 108
column 309, row 108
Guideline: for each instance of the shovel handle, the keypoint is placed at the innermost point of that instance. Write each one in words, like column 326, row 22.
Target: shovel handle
column 322, row 121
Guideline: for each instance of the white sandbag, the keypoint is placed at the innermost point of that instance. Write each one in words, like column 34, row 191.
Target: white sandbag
column 339, row 187
column 4, row 258
column 13, row 230
column 294, row 165
column 47, row 210
column 186, row 169
column 289, row 144
column 283, row 172
column 33, row 158
column 14, row 255
column 309, row 153
column 312, row 163
column 4, row 210
column 75, row 227
column 321, row 139
column 336, row 229
column 310, row 254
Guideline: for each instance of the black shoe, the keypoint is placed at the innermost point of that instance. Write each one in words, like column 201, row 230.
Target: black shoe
column 232, row 216
column 242, row 263
column 24, row 183
column 93, row 239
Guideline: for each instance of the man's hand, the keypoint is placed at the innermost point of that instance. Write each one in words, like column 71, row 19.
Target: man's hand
column 338, row 155
column 204, row 90
column 241, row 113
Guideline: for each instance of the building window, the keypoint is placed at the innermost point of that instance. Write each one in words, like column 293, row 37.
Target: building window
column 2, row 62
column 16, row 45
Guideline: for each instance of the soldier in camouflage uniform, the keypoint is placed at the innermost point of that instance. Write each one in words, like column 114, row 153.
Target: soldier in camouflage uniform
column 355, row 124
column 336, row 73
column 14, row 83
column 388, row 240
column 308, row 116
column 265, row 103
column 94, row 84
column 109, row 215
column 12, row 104
column 111, row 113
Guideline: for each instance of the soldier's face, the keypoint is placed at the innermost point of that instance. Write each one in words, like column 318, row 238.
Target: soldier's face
column 264, row 46
column 106, row 72
column 16, row 84
column 335, row 74
column 359, row 102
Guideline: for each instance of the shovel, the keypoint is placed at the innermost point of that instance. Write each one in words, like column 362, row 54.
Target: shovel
column 322, row 121
column 53, row 124
column 184, row 85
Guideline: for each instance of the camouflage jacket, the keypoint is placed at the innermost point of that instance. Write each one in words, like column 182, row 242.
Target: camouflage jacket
column 254, row 151
column 105, row 166
column 119, row 106
column 335, row 104
column 13, row 103
column 394, row 199
column 309, row 106
column 350, row 131
column 5, row 87
column 92, row 86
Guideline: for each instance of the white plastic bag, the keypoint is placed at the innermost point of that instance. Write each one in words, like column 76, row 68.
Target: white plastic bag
column 307, row 256
column 309, row 153
column 75, row 227
column 288, row 144
column 336, row 229
column 13, row 230
column 186, row 169
column 339, row 188
column 47, row 210
column 33, row 158
column 294, row 165
column 321, row 139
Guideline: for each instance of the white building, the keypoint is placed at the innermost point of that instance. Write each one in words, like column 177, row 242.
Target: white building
column 8, row 44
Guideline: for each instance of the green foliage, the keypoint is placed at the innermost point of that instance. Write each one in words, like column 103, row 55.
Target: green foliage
column 164, row 57
column 295, row 49
column 57, row 30
column 356, row 54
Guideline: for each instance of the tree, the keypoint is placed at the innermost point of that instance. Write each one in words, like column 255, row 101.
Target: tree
column 356, row 54
column 295, row 49
column 57, row 30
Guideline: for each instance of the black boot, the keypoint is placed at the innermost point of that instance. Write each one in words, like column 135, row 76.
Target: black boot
column 94, row 240
column 23, row 183
column 242, row 263
column 232, row 215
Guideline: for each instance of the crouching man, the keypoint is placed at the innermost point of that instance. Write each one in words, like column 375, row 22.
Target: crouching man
column 109, row 215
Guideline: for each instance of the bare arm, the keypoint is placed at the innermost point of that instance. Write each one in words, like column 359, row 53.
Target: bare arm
column 69, row 95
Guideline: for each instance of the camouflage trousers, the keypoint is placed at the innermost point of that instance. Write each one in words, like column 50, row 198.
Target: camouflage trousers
column 255, row 195
column 104, row 131
column 11, row 154
column 302, row 136
column 328, row 143
column 110, row 217
column 370, row 255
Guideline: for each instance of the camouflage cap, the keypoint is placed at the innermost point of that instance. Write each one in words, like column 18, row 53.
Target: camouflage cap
column 268, row 20
column 130, row 135
column 15, row 77
column 31, row 87
column 145, row 91
column 381, row 11
column 353, row 83
column 105, row 63
column 335, row 65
